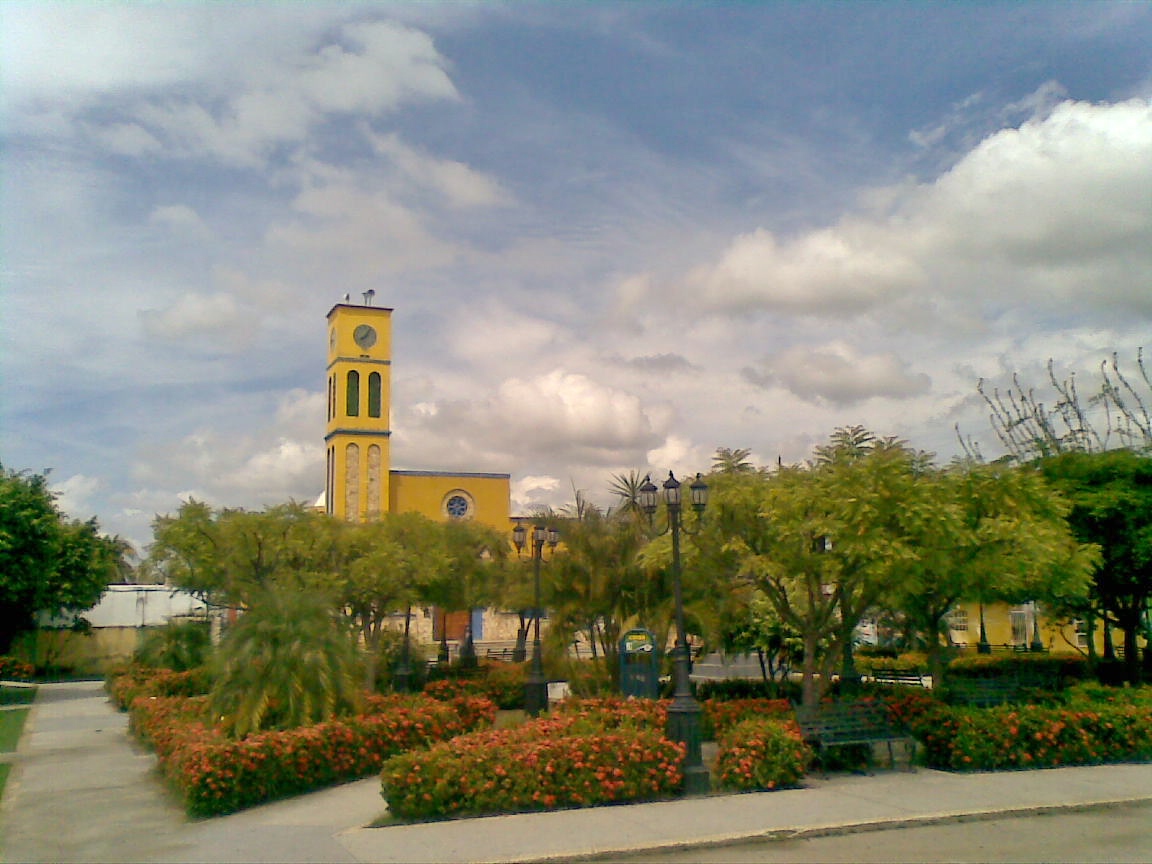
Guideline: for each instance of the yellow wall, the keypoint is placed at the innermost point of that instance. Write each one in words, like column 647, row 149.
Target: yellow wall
column 1056, row 637
column 488, row 496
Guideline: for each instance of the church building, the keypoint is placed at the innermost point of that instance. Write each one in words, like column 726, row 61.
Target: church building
column 361, row 484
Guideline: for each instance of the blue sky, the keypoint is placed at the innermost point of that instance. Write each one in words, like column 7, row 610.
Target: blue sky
column 616, row 235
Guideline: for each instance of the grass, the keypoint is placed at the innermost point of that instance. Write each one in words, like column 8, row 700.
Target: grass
column 17, row 695
column 11, row 725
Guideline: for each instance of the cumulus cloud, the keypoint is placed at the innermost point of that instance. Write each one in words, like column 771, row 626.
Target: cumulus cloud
column 831, row 272
column 181, row 220
column 838, row 374
column 74, row 495
column 1034, row 218
column 215, row 316
column 366, row 69
column 456, row 183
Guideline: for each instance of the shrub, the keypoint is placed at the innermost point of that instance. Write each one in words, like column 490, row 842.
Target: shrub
column 1034, row 736
column 12, row 669
column 718, row 717
column 127, row 683
column 589, row 678
column 504, row 684
column 761, row 753
column 1040, row 668
column 290, row 661
column 178, row 645
column 742, row 688
column 549, row 763
column 216, row 774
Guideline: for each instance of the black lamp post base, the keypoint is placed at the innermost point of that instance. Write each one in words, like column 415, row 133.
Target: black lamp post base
column 684, row 726
column 535, row 695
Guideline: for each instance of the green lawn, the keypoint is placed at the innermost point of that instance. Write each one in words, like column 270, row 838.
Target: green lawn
column 17, row 695
column 11, row 725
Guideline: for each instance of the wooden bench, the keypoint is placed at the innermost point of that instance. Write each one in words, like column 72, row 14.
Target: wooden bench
column 840, row 724
column 884, row 675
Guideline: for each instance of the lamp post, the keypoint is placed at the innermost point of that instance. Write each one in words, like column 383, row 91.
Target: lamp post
column 402, row 677
column 535, row 684
column 684, row 712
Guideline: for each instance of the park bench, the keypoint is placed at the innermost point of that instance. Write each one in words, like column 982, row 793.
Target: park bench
column 885, row 675
column 841, row 724
column 505, row 655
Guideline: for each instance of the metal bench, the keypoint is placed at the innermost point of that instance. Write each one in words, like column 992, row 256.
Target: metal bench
column 884, row 675
column 985, row 692
column 840, row 724
column 505, row 655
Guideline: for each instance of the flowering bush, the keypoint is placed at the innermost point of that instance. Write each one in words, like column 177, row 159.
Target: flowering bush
column 503, row 684
column 216, row 774
column 1034, row 736
column 12, row 669
column 549, row 763
column 614, row 711
column 719, row 717
column 761, row 753
column 129, row 682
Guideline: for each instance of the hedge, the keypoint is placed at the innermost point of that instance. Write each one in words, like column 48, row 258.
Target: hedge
column 564, row 760
column 215, row 774
column 760, row 754
column 130, row 682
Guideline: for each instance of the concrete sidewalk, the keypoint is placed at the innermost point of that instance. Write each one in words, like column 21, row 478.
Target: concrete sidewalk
column 82, row 791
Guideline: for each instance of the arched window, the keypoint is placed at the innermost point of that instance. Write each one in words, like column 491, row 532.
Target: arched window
column 331, row 396
column 352, row 408
column 374, row 394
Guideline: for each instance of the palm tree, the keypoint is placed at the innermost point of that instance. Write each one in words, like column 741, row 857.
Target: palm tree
column 290, row 661
column 626, row 488
column 729, row 461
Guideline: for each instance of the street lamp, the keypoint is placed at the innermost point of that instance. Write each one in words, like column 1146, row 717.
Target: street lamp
column 684, row 712
column 535, row 684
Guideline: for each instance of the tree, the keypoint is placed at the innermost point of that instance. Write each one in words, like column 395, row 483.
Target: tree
column 729, row 461
column 1111, row 496
column 48, row 563
column 380, row 569
column 289, row 661
column 984, row 533
column 1116, row 416
column 226, row 556
column 595, row 584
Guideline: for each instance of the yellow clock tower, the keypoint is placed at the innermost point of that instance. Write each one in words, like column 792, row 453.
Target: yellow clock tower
column 359, row 396
column 360, row 484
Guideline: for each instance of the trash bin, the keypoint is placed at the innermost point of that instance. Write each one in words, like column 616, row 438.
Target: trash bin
column 639, row 665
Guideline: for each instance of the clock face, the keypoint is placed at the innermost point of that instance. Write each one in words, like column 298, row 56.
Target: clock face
column 457, row 506
column 365, row 336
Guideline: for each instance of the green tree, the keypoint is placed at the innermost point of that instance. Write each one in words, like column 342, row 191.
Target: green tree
column 729, row 461
column 984, row 533
column 821, row 541
column 595, row 585
column 381, row 567
column 225, row 556
column 1111, row 497
column 48, row 563
column 289, row 661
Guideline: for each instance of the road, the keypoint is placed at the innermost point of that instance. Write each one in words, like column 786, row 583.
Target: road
column 1109, row 836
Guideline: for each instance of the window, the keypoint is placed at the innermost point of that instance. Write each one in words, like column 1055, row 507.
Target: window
column 352, row 408
column 958, row 619
column 374, row 395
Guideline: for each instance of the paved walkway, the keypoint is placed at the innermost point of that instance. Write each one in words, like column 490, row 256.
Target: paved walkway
column 81, row 790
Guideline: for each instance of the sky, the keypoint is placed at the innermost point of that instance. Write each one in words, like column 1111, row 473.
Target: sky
column 616, row 236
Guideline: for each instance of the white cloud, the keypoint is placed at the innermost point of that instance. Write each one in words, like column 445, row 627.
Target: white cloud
column 181, row 220
column 839, row 374
column 458, row 185
column 1053, row 213
column 833, row 272
column 74, row 495
column 214, row 316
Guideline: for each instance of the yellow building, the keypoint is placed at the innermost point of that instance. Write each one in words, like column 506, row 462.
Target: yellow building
column 360, row 483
